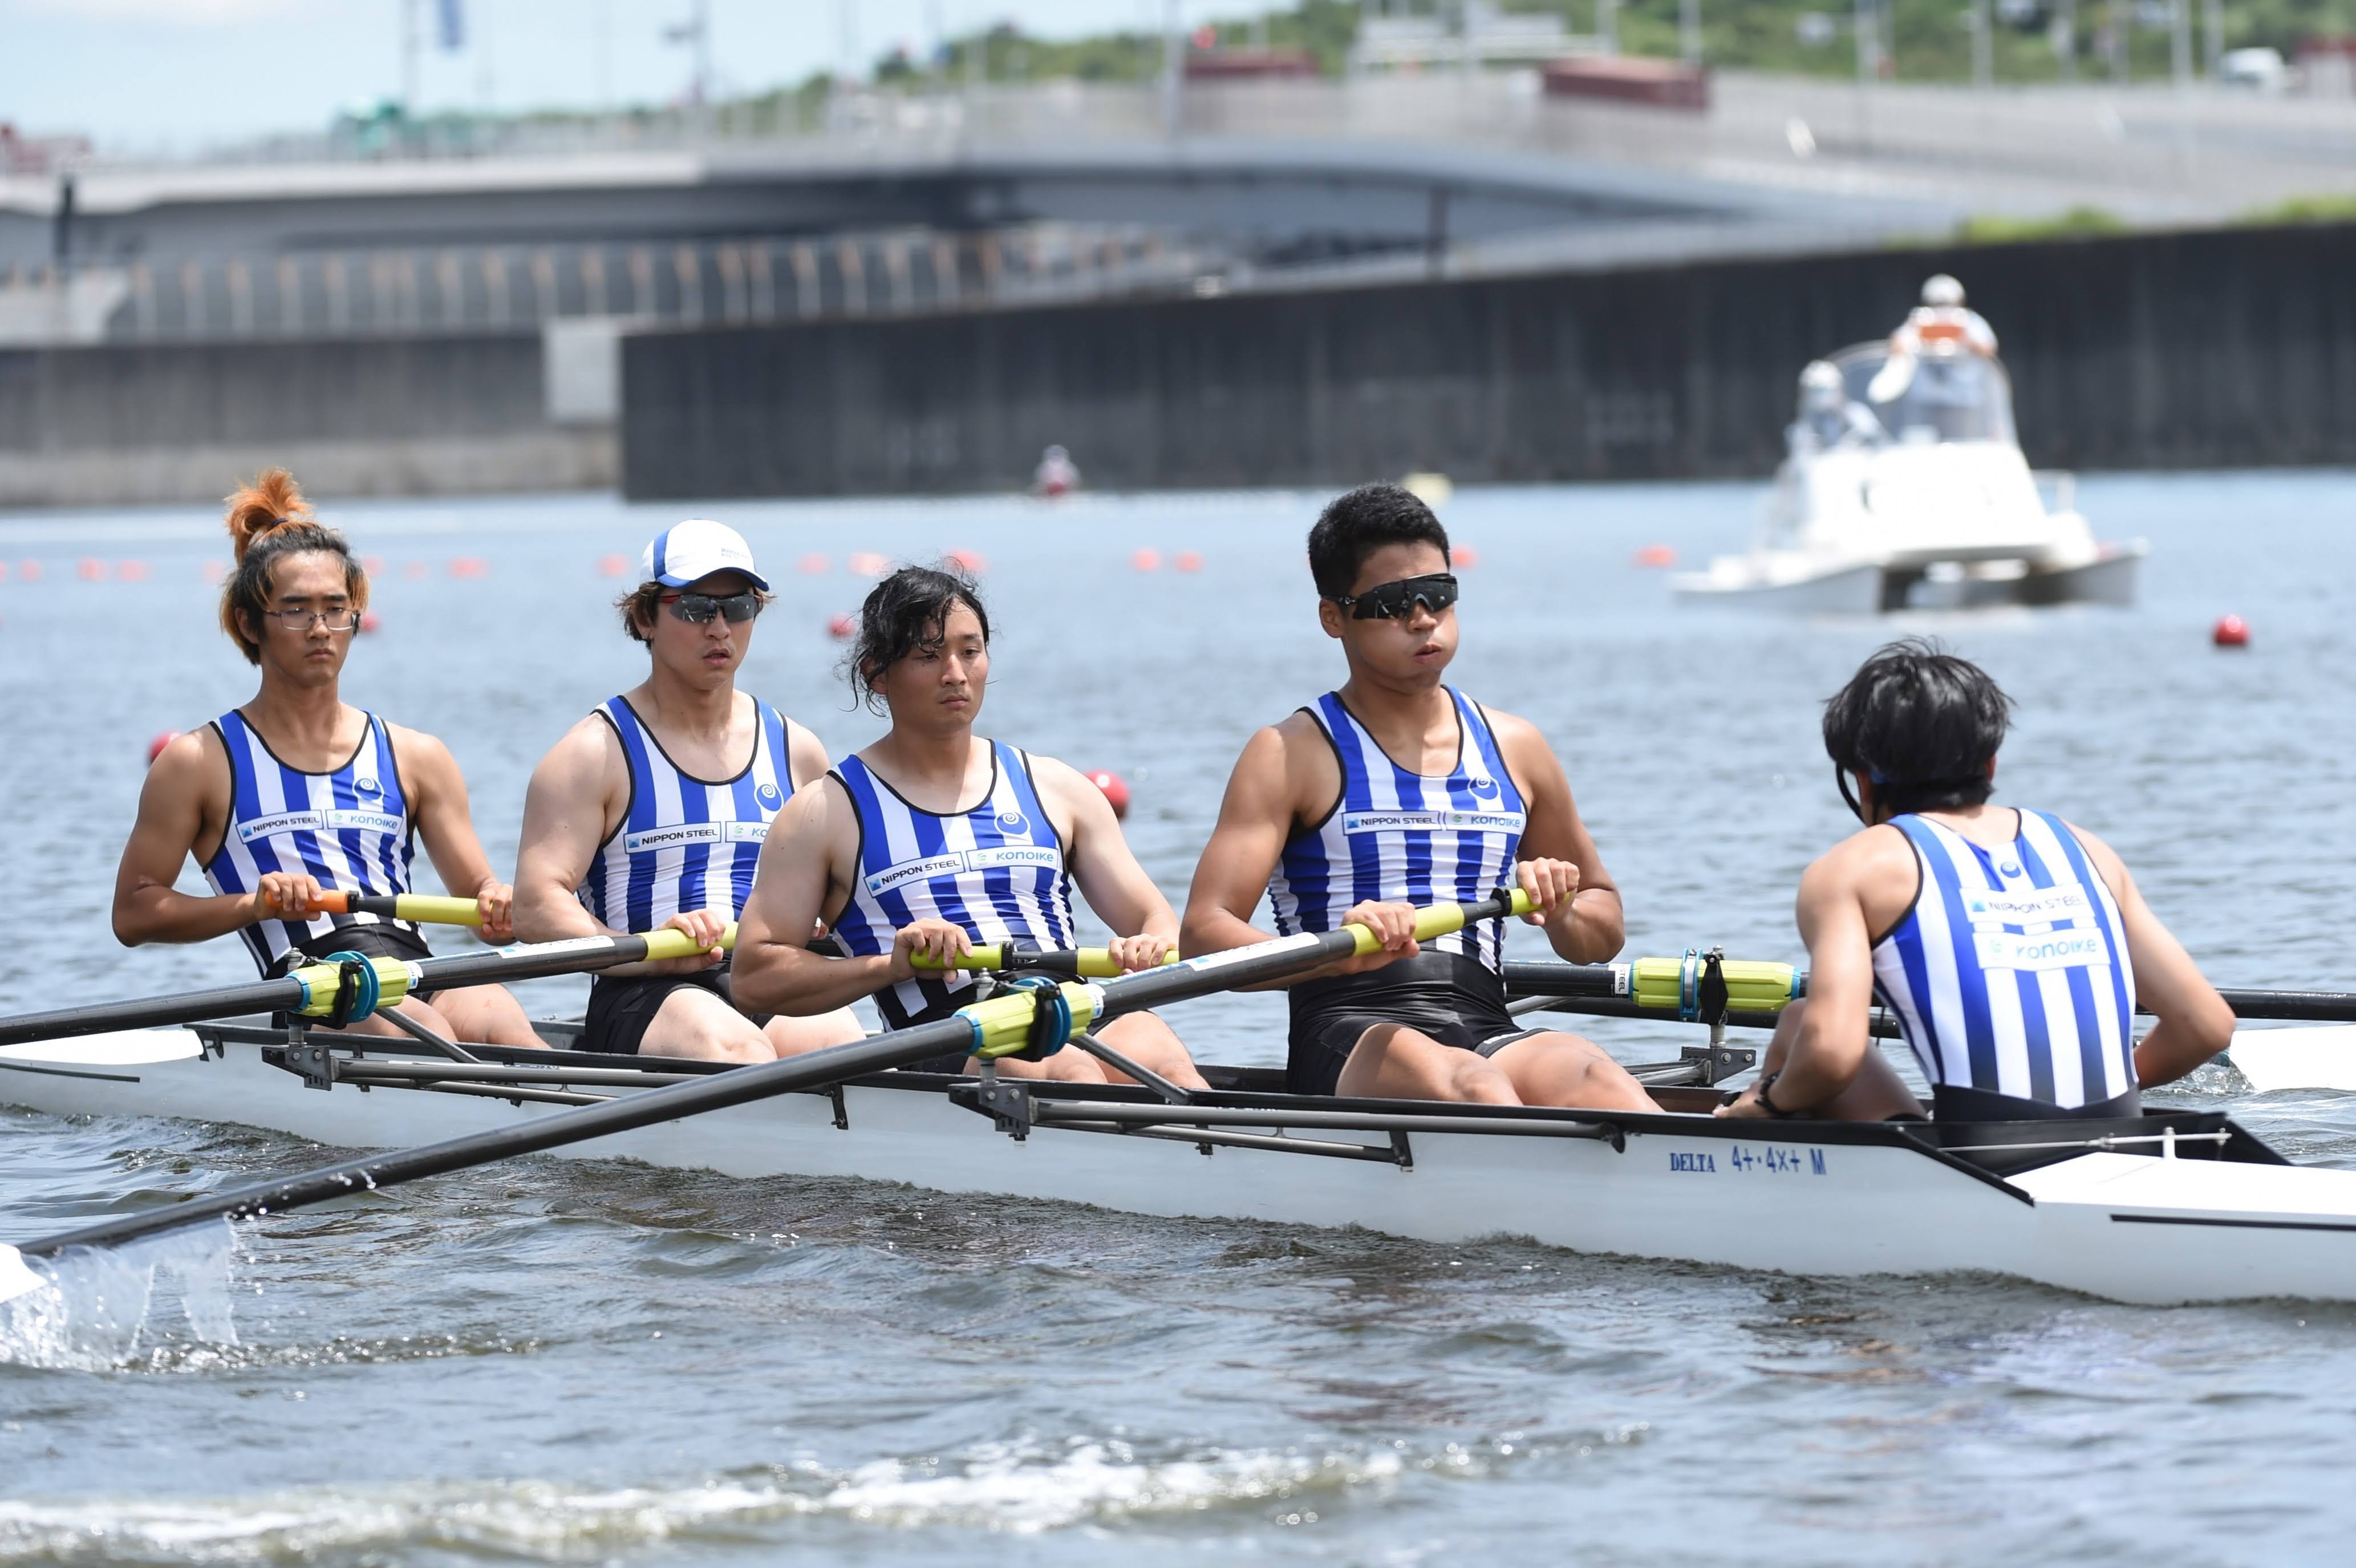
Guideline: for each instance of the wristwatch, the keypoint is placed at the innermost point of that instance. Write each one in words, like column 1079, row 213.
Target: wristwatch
column 1767, row 1082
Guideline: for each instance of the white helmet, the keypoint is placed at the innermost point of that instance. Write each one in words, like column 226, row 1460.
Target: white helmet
column 1940, row 291
column 1821, row 386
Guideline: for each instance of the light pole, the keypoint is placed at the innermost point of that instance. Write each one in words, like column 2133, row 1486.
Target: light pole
column 1983, row 43
column 1689, row 30
column 2065, row 39
column 2215, row 17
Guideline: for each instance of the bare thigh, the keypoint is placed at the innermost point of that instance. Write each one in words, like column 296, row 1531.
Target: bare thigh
column 487, row 1013
column 1392, row 1062
column 791, row 1036
column 1153, row 1044
column 695, row 1022
column 1567, row 1069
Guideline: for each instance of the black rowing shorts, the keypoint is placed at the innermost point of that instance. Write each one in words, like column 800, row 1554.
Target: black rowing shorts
column 620, row 1009
column 1456, row 1000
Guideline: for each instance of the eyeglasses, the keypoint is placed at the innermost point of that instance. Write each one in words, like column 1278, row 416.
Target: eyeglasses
column 1391, row 601
column 302, row 620
column 696, row 609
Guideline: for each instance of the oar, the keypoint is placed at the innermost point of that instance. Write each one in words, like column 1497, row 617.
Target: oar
column 340, row 992
column 1088, row 963
column 1042, row 1017
column 423, row 909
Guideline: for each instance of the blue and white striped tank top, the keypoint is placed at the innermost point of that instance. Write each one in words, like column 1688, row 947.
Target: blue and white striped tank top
column 1401, row 837
column 686, row 843
column 350, row 829
column 2010, row 973
column 996, row 869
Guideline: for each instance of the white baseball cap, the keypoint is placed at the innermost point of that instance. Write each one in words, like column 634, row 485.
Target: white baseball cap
column 686, row 552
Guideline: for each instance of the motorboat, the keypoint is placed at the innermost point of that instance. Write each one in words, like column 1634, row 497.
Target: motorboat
column 1906, row 488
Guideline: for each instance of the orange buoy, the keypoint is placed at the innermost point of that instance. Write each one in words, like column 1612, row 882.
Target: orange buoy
column 867, row 563
column 1187, row 561
column 1655, row 556
column 613, row 565
column 2230, row 631
column 972, row 562
column 470, row 566
column 1464, row 555
column 368, row 622
column 815, row 565
column 1146, row 559
column 842, row 627
column 90, row 570
column 31, row 570
column 1115, row 792
column 155, row 747
column 132, row 572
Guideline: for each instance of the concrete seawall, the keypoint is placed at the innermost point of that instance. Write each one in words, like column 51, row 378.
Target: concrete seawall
column 156, row 423
column 2224, row 348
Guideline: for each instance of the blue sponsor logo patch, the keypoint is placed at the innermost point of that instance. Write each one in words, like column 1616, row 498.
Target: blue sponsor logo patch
column 2010, row 868
column 1014, row 822
column 365, row 786
column 1484, row 788
column 767, row 795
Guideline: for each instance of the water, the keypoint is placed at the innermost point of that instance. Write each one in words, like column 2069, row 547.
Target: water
column 549, row 1362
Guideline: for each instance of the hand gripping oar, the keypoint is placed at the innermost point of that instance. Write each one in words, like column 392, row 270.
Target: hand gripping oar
column 421, row 909
column 338, row 990
column 1042, row 1018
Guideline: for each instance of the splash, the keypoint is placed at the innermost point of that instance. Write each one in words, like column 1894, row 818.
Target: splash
column 106, row 1303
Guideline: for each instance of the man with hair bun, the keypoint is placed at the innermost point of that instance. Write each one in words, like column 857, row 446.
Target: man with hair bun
column 1394, row 791
column 650, row 812
column 296, row 794
column 935, row 840
column 2012, row 947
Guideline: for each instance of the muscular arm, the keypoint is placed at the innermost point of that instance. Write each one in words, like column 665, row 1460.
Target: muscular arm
column 1592, row 926
column 2195, row 1024
column 448, row 825
column 816, row 833
column 185, row 793
column 1836, row 925
column 565, row 810
column 1112, row 881
column 805, row 757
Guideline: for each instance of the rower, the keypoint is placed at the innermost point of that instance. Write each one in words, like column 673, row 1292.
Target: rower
column 1396, row 790
column 935, row 840
column 297, row 795
column 650, row 812
column 2012, row 947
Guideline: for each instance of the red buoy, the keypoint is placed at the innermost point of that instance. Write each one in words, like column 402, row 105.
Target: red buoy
column 1187, row 561
column 1656, row 556
column 31, row 570
column 373, row 565
column 842, row 627
column 1147, row 560
column 613, row 565
column 470, row 566
column 368, row 622
column 815, row 565
column 1464, row 555
column 974, row 563
column 90, row 570
column 2230, row 631
column 867, row 563
column 132, row 572
column 1115, row 790
column 155, row 747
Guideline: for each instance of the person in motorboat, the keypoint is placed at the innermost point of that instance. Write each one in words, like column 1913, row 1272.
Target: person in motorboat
column 297, row 795
column 1940, row 328
column 2012, row 947
column 1396, row 790
column 650, row 812
column 1829, row 417
column 1057, row 475
column 936, row 840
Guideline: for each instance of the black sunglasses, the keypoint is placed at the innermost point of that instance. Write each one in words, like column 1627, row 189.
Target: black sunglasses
column 697, row 608
column 1390, row 601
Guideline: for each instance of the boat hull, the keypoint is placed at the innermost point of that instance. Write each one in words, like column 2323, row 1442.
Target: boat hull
column 1814, row 1199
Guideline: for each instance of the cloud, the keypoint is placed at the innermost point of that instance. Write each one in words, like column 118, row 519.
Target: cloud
column 183, row 12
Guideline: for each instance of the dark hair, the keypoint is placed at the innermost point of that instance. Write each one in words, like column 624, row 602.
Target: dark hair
column 1356, row 525
column 905, row 614
column 1921, row 723
column 268, row 521
column 642, row 604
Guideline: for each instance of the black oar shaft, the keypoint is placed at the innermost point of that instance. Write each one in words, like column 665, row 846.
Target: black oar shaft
column 1129, row 994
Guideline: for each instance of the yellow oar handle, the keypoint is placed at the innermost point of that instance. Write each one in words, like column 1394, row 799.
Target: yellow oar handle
column 425, row 908
column 1751, row 985
column 1437, row 921
column 669, row 943
column 324, row 984
column 1090, row 963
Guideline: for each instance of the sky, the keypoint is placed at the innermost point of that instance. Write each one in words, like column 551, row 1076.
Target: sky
column 140, row 76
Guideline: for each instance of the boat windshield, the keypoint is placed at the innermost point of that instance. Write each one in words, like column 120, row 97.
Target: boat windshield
column 1955, row 395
